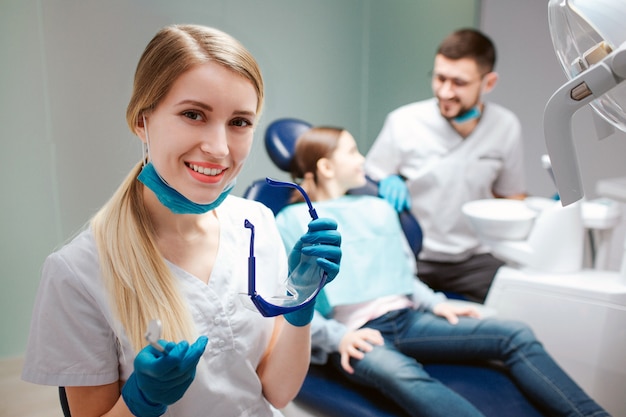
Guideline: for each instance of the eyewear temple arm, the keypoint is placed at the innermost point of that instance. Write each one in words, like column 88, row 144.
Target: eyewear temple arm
column 276, row 183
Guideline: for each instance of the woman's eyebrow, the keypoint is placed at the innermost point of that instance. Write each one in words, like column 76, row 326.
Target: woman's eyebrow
column 209, row 108
column 197, row 103
column 244, row 113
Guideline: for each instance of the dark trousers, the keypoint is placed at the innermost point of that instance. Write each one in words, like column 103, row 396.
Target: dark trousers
column 470, row 278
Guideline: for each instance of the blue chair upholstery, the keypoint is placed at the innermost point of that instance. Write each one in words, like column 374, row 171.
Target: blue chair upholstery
column 487, row 386
column 325, row 390
column 280, row 140
column 273, row 197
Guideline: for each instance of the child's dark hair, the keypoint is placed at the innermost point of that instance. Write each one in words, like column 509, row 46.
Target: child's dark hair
column 311, row 146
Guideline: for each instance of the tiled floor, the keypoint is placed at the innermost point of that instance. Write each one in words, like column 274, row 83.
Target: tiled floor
column 22, row 399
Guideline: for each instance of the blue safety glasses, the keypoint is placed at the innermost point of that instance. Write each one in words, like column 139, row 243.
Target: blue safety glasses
column 302, row 285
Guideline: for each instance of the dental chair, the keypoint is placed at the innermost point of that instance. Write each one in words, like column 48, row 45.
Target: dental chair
column 325, row 391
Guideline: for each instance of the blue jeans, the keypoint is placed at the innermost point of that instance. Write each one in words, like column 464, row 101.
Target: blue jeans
column 413, row 336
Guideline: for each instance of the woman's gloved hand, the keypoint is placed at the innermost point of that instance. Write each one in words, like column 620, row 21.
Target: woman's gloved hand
column 394, row 190
column 161, row 378
column 322, row 242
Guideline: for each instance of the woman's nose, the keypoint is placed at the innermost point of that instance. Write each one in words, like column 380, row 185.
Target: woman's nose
column 215, row 142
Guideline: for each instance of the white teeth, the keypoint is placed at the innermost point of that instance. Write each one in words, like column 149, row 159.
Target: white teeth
column 205, row 171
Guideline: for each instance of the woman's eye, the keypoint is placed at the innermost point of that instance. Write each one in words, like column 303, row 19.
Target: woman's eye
column 241, row 122
column 193, row 115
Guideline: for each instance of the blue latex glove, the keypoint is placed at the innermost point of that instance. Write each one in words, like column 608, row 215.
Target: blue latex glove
column 322, row 241
column 394, row 190
column 161, row 379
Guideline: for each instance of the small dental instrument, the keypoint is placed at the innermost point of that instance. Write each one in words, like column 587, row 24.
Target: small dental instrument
column 153, row 334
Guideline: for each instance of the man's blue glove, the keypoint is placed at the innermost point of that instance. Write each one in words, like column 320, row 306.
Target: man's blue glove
column 322, row 242
column 161, row 378
column 394, row 190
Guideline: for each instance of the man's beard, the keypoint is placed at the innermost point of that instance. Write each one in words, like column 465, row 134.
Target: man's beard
column 459, row 113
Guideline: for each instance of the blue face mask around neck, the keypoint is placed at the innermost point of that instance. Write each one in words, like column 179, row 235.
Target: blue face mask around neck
column 471, row 114
column 172, row 199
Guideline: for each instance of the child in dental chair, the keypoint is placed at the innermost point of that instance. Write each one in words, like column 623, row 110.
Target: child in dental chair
column 378, row 323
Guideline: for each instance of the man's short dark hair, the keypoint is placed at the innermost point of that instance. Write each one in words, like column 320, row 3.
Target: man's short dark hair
column 470, row 43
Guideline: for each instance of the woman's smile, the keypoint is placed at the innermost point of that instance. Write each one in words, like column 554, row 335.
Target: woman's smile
column 207, row 173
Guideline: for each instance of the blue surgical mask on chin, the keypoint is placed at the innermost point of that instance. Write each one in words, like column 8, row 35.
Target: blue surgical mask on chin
column 172, row 199
column 471, row 114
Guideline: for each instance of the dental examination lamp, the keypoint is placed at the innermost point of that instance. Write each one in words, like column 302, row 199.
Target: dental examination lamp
column 589, row 38
column 578, row 313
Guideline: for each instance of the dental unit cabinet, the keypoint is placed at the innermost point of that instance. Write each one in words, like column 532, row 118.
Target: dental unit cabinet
column 576, row 307
column 578, row 313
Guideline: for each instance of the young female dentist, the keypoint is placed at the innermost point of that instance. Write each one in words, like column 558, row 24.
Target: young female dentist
column 171, row 245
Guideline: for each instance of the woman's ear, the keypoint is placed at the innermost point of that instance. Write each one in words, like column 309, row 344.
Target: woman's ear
column 140, row 127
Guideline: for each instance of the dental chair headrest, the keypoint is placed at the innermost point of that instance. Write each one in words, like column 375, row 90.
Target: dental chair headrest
column 280, row 140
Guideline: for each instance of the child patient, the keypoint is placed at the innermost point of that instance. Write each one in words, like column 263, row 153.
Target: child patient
column 377, row 323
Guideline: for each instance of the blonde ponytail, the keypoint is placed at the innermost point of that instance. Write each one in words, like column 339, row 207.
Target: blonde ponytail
column 139, row 283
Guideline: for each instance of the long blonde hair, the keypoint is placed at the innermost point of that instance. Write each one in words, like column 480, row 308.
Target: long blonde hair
column 139, row 282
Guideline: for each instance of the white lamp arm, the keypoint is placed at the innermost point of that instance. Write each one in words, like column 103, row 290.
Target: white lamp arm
column 579, row 91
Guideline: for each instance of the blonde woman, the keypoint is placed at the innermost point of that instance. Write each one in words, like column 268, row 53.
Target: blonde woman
column 171, row 245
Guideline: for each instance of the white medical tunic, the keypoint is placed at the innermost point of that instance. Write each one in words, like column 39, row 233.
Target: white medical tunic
column 444, row 170
column 73, row 339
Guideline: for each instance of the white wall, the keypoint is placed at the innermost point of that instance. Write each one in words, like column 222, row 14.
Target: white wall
column 403, row 39
column 29, row 221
